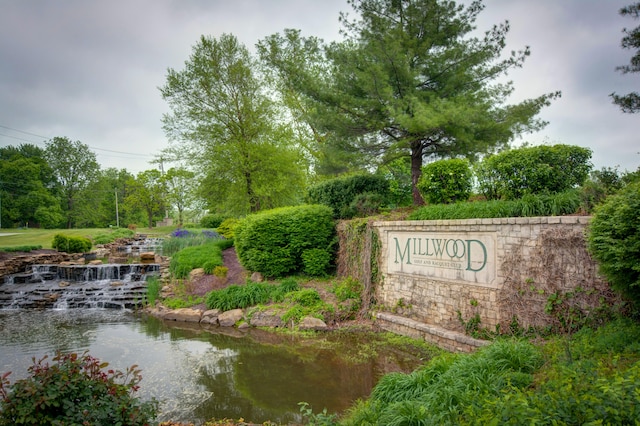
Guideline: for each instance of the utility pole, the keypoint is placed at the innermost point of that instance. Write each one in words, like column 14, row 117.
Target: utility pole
column 117, row 216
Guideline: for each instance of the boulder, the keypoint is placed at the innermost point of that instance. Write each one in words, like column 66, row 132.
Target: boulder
column 184, row 314
column 266, row 319
column 196, row 273
column 230, row 318
column 210, row 317
column 312, row 323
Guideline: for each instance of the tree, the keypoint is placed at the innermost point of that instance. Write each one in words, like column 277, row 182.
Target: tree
column 74, row 166
column 230, row 128
column 26, row 188
column 147, row 192
column 101, row 203
column 630, row 103
column 409, row 79
column 181, row 189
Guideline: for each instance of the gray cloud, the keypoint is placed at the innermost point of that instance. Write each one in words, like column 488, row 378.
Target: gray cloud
column 90, row 70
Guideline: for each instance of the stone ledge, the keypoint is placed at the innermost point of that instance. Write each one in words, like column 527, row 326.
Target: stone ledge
column 446, row 339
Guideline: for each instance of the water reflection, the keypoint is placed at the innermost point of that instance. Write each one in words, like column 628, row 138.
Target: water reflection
column 195, row 373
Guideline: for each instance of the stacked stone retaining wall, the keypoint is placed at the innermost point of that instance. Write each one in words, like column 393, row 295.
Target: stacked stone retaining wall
column 483, row 272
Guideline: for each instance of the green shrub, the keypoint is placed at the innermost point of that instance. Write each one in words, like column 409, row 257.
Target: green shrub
column 348, row 288
column 316, row 262
column 533, row 170
column 272, row 242
column 614, row 240
column 446, row 181
column 70, row 244
column 339, row 193
column 182, row 302
column 228, row 228
column 189, row 258
column 212, row 220
column 76, row 390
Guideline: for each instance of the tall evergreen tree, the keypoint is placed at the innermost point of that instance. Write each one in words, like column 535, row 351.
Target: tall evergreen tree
column 409, row 79
column 630, row 103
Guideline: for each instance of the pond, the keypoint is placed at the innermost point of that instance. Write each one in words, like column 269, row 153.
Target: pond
column 198, row 373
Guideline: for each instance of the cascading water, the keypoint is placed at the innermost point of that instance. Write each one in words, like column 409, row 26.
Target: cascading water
column 114, row 286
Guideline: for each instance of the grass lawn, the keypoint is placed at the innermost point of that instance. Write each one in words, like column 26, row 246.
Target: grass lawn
column 44, row 237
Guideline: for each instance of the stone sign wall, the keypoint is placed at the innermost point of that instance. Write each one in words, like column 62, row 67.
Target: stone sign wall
column 447, row 272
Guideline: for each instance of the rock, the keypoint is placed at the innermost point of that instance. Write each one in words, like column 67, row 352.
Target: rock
column 266, row 319
column 230, row 318
column 312, row 323
column 210, row 317
column 96, row 262
column 148, row 256
column 257, row 277
column 196, row 273
column 116, row 283
column 243, row 326
column 63, row 284
column 184, row 314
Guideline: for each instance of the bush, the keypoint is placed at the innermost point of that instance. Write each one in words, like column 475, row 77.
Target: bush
column 614, row 240
column 14, row 249
column 316, row 262
column 189, row 258
column 212, row 220
column 228, row 228
column 71, row 244
column 272, row 242
column 512, row 174
column 339, row 193
column 74, row 390
column 446, row 181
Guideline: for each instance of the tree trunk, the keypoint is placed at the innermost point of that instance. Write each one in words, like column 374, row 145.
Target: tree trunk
column 416, row 171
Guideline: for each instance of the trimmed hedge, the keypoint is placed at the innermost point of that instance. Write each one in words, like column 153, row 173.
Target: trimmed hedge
column 71, row 244
column 275, row 242
column 340, row 193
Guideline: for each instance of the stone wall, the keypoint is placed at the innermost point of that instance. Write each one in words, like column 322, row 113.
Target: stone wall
column 489, row 272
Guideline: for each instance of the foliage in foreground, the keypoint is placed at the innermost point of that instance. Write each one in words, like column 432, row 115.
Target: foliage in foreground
column 563, row 203
column 614, row 240
column 590, row 378
column 76, row 390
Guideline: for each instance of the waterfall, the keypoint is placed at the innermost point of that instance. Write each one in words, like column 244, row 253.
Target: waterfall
column 116, row 286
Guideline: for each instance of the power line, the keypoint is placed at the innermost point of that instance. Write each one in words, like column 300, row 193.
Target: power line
column 44, row 137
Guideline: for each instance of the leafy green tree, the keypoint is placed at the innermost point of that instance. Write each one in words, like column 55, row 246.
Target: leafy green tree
column 97, row 203
column 230, row 129
column 147, row 192
column 533, row 170
column 630, row 103
column 181, row 190
column 410, row 80
column 26, row 188
column 74, row 166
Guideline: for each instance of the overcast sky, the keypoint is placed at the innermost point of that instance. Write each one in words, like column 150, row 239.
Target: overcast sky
column 90, row 70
